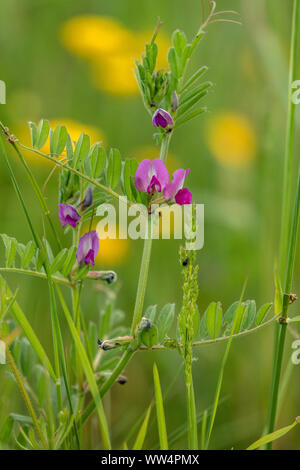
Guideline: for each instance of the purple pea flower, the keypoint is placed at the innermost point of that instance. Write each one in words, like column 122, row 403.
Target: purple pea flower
column 162, row 118
column 68, row 215
column 174, row 191
column 88, row 248
column 151, row 176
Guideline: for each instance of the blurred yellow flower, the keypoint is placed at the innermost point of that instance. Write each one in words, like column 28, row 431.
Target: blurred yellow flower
column 112, row 251
column 111, row 50
column 231, row 139
column 74, row 128
column 89, row 36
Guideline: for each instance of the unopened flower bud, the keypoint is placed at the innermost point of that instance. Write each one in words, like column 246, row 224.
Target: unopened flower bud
column 162, row 118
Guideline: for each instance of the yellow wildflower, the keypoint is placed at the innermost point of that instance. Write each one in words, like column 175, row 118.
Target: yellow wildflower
column 90, row 36
column 231, row 139
column 110, row 49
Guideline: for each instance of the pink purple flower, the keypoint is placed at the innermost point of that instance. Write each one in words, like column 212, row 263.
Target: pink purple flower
column 88, row 248
column 151, row 176
column 162, row 118
column 174, row 191
column 68, row 215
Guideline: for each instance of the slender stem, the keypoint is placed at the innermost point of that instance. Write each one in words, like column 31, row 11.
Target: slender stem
column 191, row 410
column 279, row 346
column 41, row 275
column 289, row 144
column 289, row 229
column 142, row 284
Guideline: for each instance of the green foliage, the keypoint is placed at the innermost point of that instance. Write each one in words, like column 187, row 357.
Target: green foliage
column 215, row 325
column 28, row 259
column 158, row 88
column 159, row 324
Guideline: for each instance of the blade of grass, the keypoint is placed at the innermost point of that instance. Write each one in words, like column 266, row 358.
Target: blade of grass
column 138, row 445
column 160, row 414
column 273, row 436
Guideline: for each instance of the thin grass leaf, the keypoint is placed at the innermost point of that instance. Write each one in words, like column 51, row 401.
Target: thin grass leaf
column 138, row 445
column 273, row 435
column 160, row 414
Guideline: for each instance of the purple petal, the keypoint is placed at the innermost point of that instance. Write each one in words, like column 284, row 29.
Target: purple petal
column 184, row 196
column 90, row 258
column 162, row 118
column 176, row 184
column 161, row 172
column 68, row 215
column 154, row 186
column 151, row 176
column 142, row 174
column 88, row 248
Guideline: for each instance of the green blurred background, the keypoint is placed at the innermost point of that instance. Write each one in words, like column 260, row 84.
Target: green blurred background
column 81, row 74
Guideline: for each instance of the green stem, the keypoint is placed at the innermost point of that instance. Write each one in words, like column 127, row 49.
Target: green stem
column 29, row 272
column 191, row 410
column 282, row 326
column 288, row 229
column 289, row 145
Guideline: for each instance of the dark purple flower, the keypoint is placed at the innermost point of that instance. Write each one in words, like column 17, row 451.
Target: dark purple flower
column 88, row 248
column 184, row 196
column 88, row 200
column 162, row 118
column 68, row 215
column 174, row 191
column 151, row 176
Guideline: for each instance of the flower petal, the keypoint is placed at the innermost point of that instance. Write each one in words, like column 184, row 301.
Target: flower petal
column 142, row 176
column 184, row 196
column 68, row 215
column 88, row 248
column 161, row 172
column 176, row 184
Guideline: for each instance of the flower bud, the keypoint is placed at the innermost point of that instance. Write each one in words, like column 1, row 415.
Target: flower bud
column 162, row 118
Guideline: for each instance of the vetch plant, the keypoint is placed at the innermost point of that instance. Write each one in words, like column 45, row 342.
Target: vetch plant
column 61, row 395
